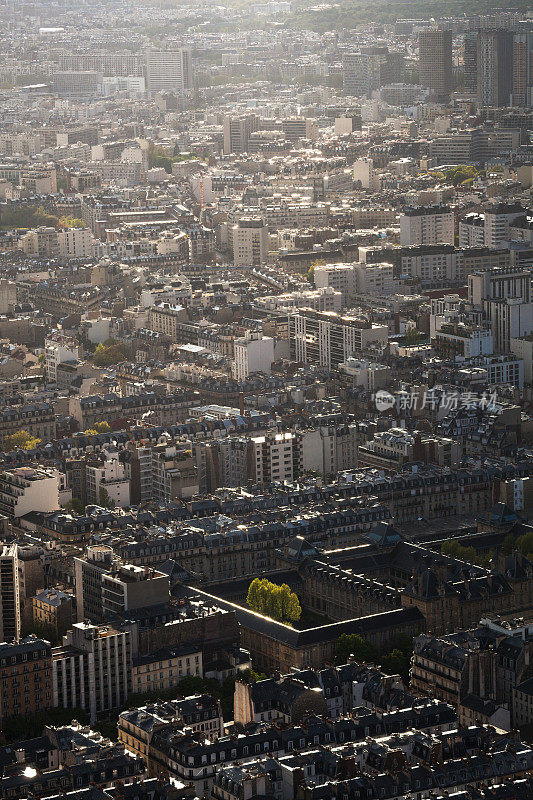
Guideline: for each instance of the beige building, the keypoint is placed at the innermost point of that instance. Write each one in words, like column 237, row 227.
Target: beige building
column 42, row 242
column 250, row 243
column 75, row 243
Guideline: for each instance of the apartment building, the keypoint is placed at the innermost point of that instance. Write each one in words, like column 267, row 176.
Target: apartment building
column 25, row 489
column 175, row 473
column 92, row 669
column 42, row 242
column 38, row 419
column 498, row 220
column 375, row 279
column 58, row 350
column 199, row 713
column 296, row 128
column 53, row 609
column 26, row 672
column 505, row 297
column 107, row 481
column 109, row 64
column 340, row 277
column 427, row 225
column 106, row 586
column 160, row 409
column 75, row 243
column 165, row 668
column 253, row 353
column 329, row 339
column 237, row 132
column 250, row 243
column 472, row 230
column 275, row 457
column 166, row 318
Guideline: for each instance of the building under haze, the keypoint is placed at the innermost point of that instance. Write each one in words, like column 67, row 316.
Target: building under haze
column 169, row 71
column 435, row 61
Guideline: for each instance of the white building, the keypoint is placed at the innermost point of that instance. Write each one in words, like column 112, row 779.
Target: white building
column 341, row 277
column 505, row 297
column 326, row 299
column 375, row 279
column 427, row 225
column 368, row 374
column 58, row 350
column 24, row 489
column 472, row 231
column 275, row 457
column 363, row 171
column 169, row 71
column 253, row 353
column 328, row 339
column 108, row 477
column 92, row 669
column 498, row 220
column 523, row 348
column 250, row 243
column 8, row 296
column 431, row 264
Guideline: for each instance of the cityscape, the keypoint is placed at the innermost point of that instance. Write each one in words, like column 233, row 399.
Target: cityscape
column 266, row 400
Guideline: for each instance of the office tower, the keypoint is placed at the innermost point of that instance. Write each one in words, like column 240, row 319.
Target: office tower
column 435, row 60
column 470, row 62
column 523, row 69
column 505, row 298
column 9, row 593
column 237, row 132
column 494, row 67
column 169, row 71
column 296, row 128
column 391, row 68
column 361, row 73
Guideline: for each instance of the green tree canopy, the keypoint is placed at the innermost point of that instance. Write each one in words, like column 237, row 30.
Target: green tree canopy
column 104, row 499
column 277, row 602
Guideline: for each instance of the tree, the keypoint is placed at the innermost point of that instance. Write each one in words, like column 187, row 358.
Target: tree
column 71, row 222
column 109, row 353
column 21, row 440
column 277, row 602
column 353, row 644
column 311, row 271
column 397, row 663
column 102, row 427
column 75, row 505
column 412, row 336
column 104, row 499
